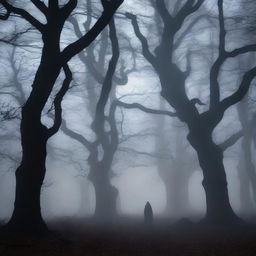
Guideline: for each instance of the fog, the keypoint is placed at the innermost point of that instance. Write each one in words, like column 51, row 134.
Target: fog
column 105, row 106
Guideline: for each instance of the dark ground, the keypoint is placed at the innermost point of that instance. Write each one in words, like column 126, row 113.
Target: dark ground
column 135, row 238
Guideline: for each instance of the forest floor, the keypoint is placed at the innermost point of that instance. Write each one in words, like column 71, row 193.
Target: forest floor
column 134, row 238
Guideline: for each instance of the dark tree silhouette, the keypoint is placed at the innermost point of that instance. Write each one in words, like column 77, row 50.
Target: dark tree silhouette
column 100, row 168
column 105, row 193
column 246, row 169
column 34, row 135
column 200, row 125
column 176, row 168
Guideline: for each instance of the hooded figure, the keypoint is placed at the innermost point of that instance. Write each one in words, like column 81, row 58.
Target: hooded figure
column 148, row 213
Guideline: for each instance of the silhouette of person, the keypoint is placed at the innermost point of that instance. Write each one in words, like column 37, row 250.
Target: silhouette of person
column 148, row 213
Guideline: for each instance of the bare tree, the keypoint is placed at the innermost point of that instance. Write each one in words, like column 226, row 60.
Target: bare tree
column 200, row 125
column 34, row 135
column 102, row 150
column 246, row 169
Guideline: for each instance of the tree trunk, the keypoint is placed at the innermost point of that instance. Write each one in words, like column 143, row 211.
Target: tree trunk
column 105, row 193
column 176, row 183
column 29, row 178
column 177, row 201
column 30, row 174
column 246, row 203
column 210, row 157
column 106, row 199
